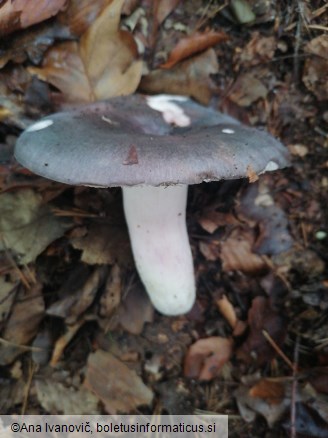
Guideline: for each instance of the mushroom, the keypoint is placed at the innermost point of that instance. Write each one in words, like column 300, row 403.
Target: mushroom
column 153, row 147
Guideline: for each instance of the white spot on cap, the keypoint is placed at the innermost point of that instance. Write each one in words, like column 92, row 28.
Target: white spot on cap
column 228, row 131
column 272, row 165
column 172, row 113
column 40, row 125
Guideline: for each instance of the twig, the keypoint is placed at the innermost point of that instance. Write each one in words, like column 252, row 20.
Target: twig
column 28, row 386
column 278, row 350
column 294, row 390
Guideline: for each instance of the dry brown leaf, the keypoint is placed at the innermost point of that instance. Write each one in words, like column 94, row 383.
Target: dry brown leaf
column 227, row 310
column 118, row 387
column 104, row 244
column 206, row 357
column 111, row 296
column 248, row 406
column 56, row 398
column 209, row 250
column 270, row 390
column 80, row 14
column 211, row 220
column 262, row 317
column 19, row 14
column 72, row 306
column 192, row 45
column 103, row 64
column 110, row 55
column 259, row 50
column 237, row 254
column 135, row 311
column 63, row 68
column 164, row 9
column 247, row 89
column 189, row 78
column 251, row 174
column 26, row 315
column 316, row 67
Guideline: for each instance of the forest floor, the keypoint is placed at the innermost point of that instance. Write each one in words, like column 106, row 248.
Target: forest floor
column 78, row 333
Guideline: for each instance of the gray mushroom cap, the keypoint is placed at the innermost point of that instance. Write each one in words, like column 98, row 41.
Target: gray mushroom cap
column 125, row 142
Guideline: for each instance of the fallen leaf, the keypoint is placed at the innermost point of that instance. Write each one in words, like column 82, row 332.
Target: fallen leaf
column 258, row 205
column 111, row 296
column 209, row 250
column 27, row 226
column 206, row 357
column 103, row 64
column 55, row 398
column 262, row 317
column 190, row 78
column 270, row 390
column 237, row 253
column 259, row 50
column 192, row 45
column 249, row 405
column 31, row 44
column 251, row 174
column 80, row 14
column 135, row 311
column 8, row 292
column 110, row 55
column 63, row 68
column 247, row 89
column 104, row 244
column 164, row 9
column 316, row 67
column 26, row 315
column 20, row 14
column 227, row 310
column 72, row 306
column 118, row 387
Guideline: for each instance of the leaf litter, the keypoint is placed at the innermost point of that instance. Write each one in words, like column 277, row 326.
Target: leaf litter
column 257, row 334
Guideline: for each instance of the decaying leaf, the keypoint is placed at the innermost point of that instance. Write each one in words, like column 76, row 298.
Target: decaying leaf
column 135, row 311
column 118, row 387
column 258, row 205
column 72, row 306
column 8, row 292
column 237, row 253
column 266, row 397
column 164, row 9
column 190, row 78
column 227, row 310
column 262, row 317
column 259, row 50
column 27, row 226
column 63, row 68
column 19, row 14
column 104, row 63
column 110, row 55
column 55, row 398
column 247, row 89
column 192, row 45
column 316, row 67
column 79, row 14
column 206, row 357
column 104, row 244
column 26, row 315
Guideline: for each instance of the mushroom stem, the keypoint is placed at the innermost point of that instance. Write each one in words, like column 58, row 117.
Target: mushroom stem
column 156, row 218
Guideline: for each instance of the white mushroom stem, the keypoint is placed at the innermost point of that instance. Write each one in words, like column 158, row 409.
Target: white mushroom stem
column 156, row 218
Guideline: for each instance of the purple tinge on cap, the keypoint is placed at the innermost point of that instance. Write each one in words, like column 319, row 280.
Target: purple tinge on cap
column 134, row 140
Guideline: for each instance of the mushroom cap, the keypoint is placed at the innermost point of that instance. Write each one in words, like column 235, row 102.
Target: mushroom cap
column 140, row 140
